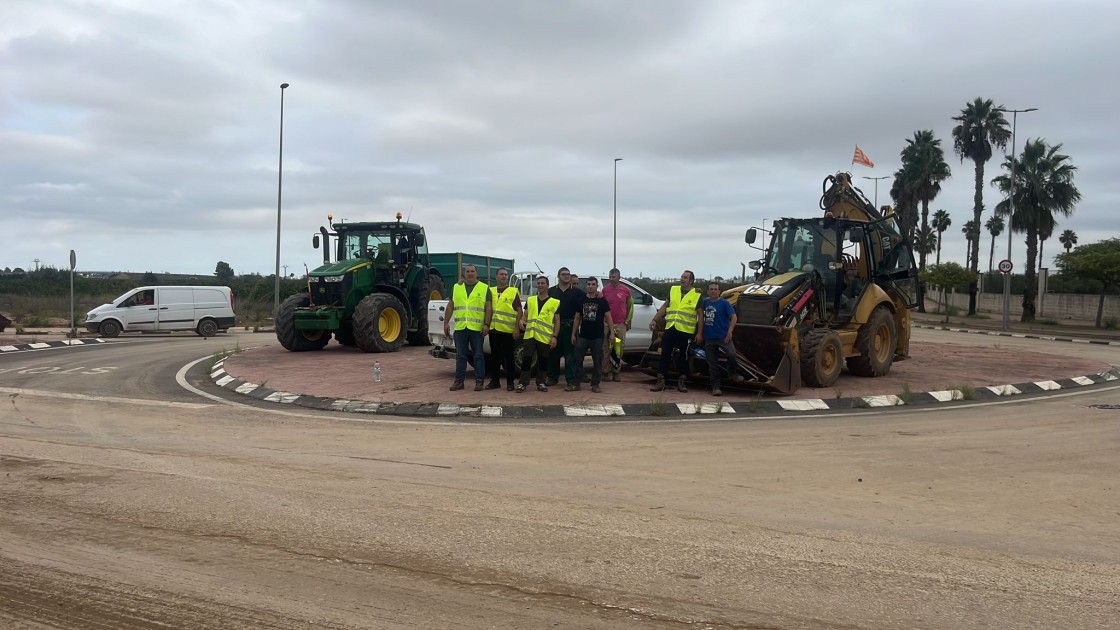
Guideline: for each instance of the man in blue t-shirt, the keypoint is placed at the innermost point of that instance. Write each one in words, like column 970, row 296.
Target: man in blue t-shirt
column 714, row 331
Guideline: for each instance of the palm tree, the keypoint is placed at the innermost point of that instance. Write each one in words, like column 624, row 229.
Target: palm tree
column 1068, row 239
column 971, row 235
column 941, row 222
column 924, row 168
column 1043, row 186
column 1044, row 232
column 980, row 128
column 994, row 225
column 925, row 240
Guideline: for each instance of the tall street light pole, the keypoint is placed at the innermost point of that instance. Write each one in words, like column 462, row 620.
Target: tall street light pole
column 876, row 188
column 1010, row 215
column 279, row 190
column 614, row 262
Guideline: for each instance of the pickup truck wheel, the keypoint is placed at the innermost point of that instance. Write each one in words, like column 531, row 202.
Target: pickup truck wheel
column 875, row 343
column 109, row 328
column 822, row 356
column 379, row 323
column 207, row 328
column 290, row 337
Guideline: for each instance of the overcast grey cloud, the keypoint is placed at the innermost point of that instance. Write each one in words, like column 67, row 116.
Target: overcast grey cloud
column 144, row 135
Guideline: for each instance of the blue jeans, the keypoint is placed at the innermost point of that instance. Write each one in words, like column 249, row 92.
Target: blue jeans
column 712, row 348
column 472, row 339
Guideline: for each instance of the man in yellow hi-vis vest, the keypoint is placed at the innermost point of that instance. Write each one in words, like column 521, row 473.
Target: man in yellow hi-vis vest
column 503, row 330
column 541, row 322
column 471, row 306
column 680, row 314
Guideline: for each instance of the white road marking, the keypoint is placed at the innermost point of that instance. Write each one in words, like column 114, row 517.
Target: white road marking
column 108, row 399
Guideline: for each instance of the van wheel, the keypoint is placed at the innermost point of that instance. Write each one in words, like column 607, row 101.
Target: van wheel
column 207, row 328
column 291, row 337
column 109, row 328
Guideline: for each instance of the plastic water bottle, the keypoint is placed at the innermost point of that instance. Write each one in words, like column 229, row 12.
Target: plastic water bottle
column 376, row 371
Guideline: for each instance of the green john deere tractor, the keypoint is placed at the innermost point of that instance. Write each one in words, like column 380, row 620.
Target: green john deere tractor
column 374, row 296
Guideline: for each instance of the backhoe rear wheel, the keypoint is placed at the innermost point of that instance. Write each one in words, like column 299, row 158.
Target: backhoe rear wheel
column 380, row 323
column 822, row 356
column 875, row 343
column 292, row 338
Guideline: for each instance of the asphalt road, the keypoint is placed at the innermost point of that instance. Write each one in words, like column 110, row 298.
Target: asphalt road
column 129, row 501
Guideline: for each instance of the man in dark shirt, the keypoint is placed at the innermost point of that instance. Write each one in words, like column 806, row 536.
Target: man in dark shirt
column 567, row 293
column 592, row 318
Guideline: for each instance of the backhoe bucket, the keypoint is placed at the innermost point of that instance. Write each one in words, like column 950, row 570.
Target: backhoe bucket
column 767, row 359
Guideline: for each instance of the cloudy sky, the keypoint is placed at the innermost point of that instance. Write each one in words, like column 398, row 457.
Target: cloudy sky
column 145, row 134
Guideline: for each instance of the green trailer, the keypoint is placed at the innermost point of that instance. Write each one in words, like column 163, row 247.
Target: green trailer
column 375, row 292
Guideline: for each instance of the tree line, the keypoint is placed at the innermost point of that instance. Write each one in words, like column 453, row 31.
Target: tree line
column 1042, row 180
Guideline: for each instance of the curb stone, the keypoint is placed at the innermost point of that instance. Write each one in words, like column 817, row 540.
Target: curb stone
column 622, row 411
column 19, row 347
column 1000, row 333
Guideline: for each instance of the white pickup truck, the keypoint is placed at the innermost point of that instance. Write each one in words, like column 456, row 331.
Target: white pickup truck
column 638, row 338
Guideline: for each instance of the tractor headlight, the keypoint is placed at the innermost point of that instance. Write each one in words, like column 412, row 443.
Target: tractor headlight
column 312, row 279
column 333, row 278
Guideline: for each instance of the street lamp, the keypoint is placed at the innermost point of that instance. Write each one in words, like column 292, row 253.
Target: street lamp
column 614, row 264
column 279, row 189
column 876, row 188
column 1010, row 215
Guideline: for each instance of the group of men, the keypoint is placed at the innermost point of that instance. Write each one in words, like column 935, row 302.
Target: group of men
column 563, row 323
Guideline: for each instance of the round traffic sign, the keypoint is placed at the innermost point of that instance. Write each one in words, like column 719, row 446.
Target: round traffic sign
column 1005, row 266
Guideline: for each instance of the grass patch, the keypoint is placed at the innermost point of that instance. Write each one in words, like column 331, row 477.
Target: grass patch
column 967, row 392
column 1111, row 323
column 862, row 403
column 838, row 393
column 905, row 396
column 220, row 355
column 658, row 406
column 755, row 403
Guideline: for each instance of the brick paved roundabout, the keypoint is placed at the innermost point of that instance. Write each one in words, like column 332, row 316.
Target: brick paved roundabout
column 416, row 384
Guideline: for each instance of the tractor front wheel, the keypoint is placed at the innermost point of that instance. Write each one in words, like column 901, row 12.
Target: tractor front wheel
column 292, row 338
column 380, row 323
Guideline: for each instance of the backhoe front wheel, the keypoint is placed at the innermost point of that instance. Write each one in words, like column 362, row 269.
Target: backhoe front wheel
column 822, row 355
column 292, row 338
column 380, row 323
column 875, row 343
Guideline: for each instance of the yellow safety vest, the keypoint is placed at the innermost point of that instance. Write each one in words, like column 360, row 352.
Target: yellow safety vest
column 539, row 325
column 681, row 313
column 470, row 311
column 503, row 318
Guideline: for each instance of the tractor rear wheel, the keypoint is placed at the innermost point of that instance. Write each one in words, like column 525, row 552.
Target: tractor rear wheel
column 875, row 343
column 420, row 295
column 380, row 323
column 822, row 356
column 436, row 290
column 345, row 335
column 292, row 338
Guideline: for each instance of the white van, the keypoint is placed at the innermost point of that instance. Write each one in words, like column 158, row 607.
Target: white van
column 205, row 310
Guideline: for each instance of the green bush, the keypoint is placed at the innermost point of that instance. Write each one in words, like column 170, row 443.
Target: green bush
column 1111, row 323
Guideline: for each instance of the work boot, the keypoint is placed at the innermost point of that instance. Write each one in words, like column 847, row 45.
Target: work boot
column 681, row 386
column 659, row 386
column 552, row 381
column 493, row 385
column 571, row 387
column 716, row 391
column 595, row 389
column 616, row 377
column 509, row 386
column 456, row 386
column 478, row 385
column 737, row 378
